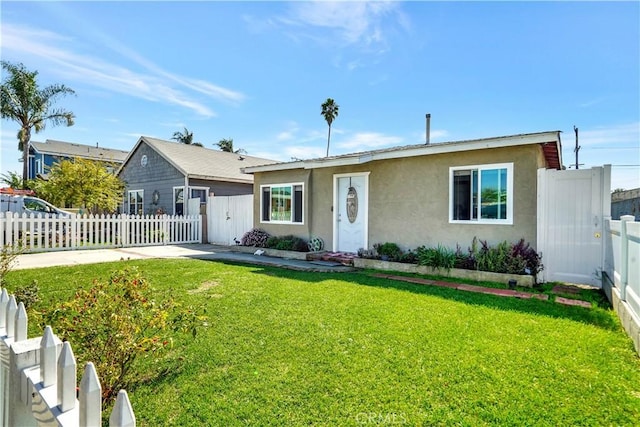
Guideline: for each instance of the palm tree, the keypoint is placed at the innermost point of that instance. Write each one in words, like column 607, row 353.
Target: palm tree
column 185, row 137
column 330, row 112
column 12, row 179
column 21, row 100
column 227, row 145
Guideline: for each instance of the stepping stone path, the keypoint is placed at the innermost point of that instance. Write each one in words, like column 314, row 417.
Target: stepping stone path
column 576, row 302
column 490, row 291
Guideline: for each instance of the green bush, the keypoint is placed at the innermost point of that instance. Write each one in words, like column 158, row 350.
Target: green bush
column 409, row 257
column 390, row 251
column 287, row 243
column 29, row 294
column 511, row 258
column 440, row 257
column 114, row 324
column 8, row 255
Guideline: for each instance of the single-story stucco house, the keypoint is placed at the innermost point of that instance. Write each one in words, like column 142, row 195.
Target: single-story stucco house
column 158, row 174
column 428, row 194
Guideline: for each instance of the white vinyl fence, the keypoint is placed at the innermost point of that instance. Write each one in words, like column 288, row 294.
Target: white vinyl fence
column 229, row 217
column 38, row 379
column 622, row 272
column 42, row 233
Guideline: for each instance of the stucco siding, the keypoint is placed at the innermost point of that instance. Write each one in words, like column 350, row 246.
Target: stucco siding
column 285, row 177
column 409, row 199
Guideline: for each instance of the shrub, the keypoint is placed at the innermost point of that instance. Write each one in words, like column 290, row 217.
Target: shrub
column 516, row 258
column 29, row 294
column 494, row 259
column 409, row 257
column 8, row 255
column 440, row 257
column 287, row 243
column 390, row 251
column 532, row 260
column 300, row 245
column 255, row 237
column 466, row 261
column 114, row 324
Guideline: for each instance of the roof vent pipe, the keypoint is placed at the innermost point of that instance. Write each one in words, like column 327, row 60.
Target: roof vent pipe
column 428, row 134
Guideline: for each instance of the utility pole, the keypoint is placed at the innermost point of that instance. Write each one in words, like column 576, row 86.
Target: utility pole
column 575, row 129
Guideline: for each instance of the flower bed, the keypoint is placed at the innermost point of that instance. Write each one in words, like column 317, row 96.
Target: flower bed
column 482, row 276
column 503, row 263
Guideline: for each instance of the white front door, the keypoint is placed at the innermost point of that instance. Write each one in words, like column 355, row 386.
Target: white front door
column 572, row 207
column 350, row 212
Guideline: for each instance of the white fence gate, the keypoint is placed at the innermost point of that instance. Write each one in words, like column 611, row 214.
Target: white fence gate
column 229, row 217
column 572, row 208
column 38, row 379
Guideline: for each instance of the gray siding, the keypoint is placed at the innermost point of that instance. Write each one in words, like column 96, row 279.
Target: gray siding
column 158, row 175
column 161, row 176
column 220, row 188
column 626, row 207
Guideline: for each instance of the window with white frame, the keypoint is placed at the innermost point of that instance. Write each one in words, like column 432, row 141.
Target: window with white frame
column 194, row 193
column 481, row 194
column 199, row 193
column 178, row 200
column 136, row 202
column 282, row 203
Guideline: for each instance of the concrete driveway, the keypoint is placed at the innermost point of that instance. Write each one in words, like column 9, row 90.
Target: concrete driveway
column 197, row 251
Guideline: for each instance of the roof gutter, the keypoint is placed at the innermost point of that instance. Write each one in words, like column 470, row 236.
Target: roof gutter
column 219, row 178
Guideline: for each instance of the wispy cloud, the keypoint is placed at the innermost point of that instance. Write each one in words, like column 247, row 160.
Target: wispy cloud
column 354, row 23
column 362, row 27
column 304, row 152
column 155, row 84
column 369, row 140
column 624, row 134
column 592, row 102
column 289, row 133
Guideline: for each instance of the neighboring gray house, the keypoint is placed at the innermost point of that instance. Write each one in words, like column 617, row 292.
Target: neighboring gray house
column 625, row 202
column 42, row 155
column 158, row 174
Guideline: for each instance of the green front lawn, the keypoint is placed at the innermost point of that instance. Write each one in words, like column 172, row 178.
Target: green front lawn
column 295, row 348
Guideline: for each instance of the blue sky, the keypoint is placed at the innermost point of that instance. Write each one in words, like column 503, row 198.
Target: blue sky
column 258, row 72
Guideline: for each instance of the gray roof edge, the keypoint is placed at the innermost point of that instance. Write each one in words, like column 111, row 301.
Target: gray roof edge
column 43, row 148
column 157, row 145
column 412, row 151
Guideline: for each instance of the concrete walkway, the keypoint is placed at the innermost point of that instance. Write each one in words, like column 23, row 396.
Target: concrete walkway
column 196, row 251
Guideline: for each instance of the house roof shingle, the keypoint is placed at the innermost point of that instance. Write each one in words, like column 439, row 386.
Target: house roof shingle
column 69, row 149
column 203, row 163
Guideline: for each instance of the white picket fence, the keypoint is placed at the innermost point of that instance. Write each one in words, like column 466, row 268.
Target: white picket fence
column 38, row 379
column 622, row 273
column 39, row 233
